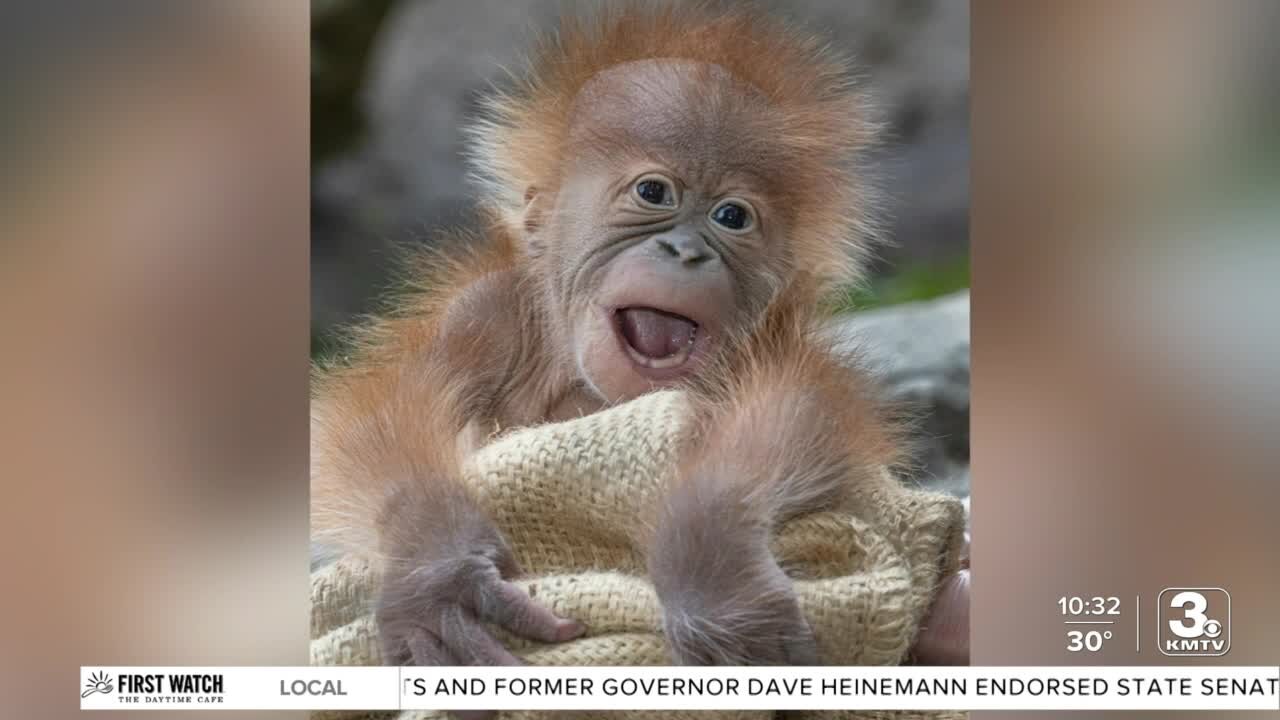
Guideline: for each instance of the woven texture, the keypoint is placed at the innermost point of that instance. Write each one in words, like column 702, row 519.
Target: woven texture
column 566, row 495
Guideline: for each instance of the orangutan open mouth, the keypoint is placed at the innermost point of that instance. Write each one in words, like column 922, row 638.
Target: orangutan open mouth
column 656, row 339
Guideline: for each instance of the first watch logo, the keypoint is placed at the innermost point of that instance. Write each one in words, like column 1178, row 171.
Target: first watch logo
column 98, row 682
column 174, row 689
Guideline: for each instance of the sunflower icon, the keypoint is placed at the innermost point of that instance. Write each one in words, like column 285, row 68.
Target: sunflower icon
column 99, row 682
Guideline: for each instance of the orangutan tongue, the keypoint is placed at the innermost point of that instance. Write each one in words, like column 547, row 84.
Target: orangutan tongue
column 656, row 334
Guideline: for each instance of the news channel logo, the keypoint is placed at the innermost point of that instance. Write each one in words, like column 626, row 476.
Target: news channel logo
column 1194, row 622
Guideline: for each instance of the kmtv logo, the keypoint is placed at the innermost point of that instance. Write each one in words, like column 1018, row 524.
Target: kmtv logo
column 1194, row 622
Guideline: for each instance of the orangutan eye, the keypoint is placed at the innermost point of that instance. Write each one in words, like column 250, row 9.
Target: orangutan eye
column 656, row 192
column 733, row 215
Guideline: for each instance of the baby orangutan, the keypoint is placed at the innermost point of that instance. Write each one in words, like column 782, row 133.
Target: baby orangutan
column 669, row 195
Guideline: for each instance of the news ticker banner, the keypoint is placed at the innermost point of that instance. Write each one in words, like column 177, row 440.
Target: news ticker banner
column 680, row 688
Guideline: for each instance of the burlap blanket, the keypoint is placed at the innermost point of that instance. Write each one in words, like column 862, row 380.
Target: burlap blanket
column 565, row 494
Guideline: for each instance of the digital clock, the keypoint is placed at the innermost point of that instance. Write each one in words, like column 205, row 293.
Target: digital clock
column 1082, row 606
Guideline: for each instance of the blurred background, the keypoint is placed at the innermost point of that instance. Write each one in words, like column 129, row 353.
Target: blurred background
column 1126, row 351
column 153, row 290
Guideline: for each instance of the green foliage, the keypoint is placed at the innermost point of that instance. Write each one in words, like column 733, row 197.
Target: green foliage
column 918, row 282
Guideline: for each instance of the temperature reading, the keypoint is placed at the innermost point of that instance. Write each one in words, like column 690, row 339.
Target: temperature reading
column 1088, row 620
column 1087, row 640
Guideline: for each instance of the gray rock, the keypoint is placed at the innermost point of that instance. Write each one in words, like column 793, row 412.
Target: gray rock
column 920, row 351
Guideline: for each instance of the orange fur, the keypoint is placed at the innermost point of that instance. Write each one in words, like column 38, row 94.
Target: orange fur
column 781, row 413
column 782, row 427
column 822, row 122
column 378, row 417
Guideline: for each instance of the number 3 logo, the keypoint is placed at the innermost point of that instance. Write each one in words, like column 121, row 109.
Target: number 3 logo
column 1193, row 606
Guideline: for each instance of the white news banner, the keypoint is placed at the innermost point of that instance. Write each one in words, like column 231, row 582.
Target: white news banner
column 680, row 688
